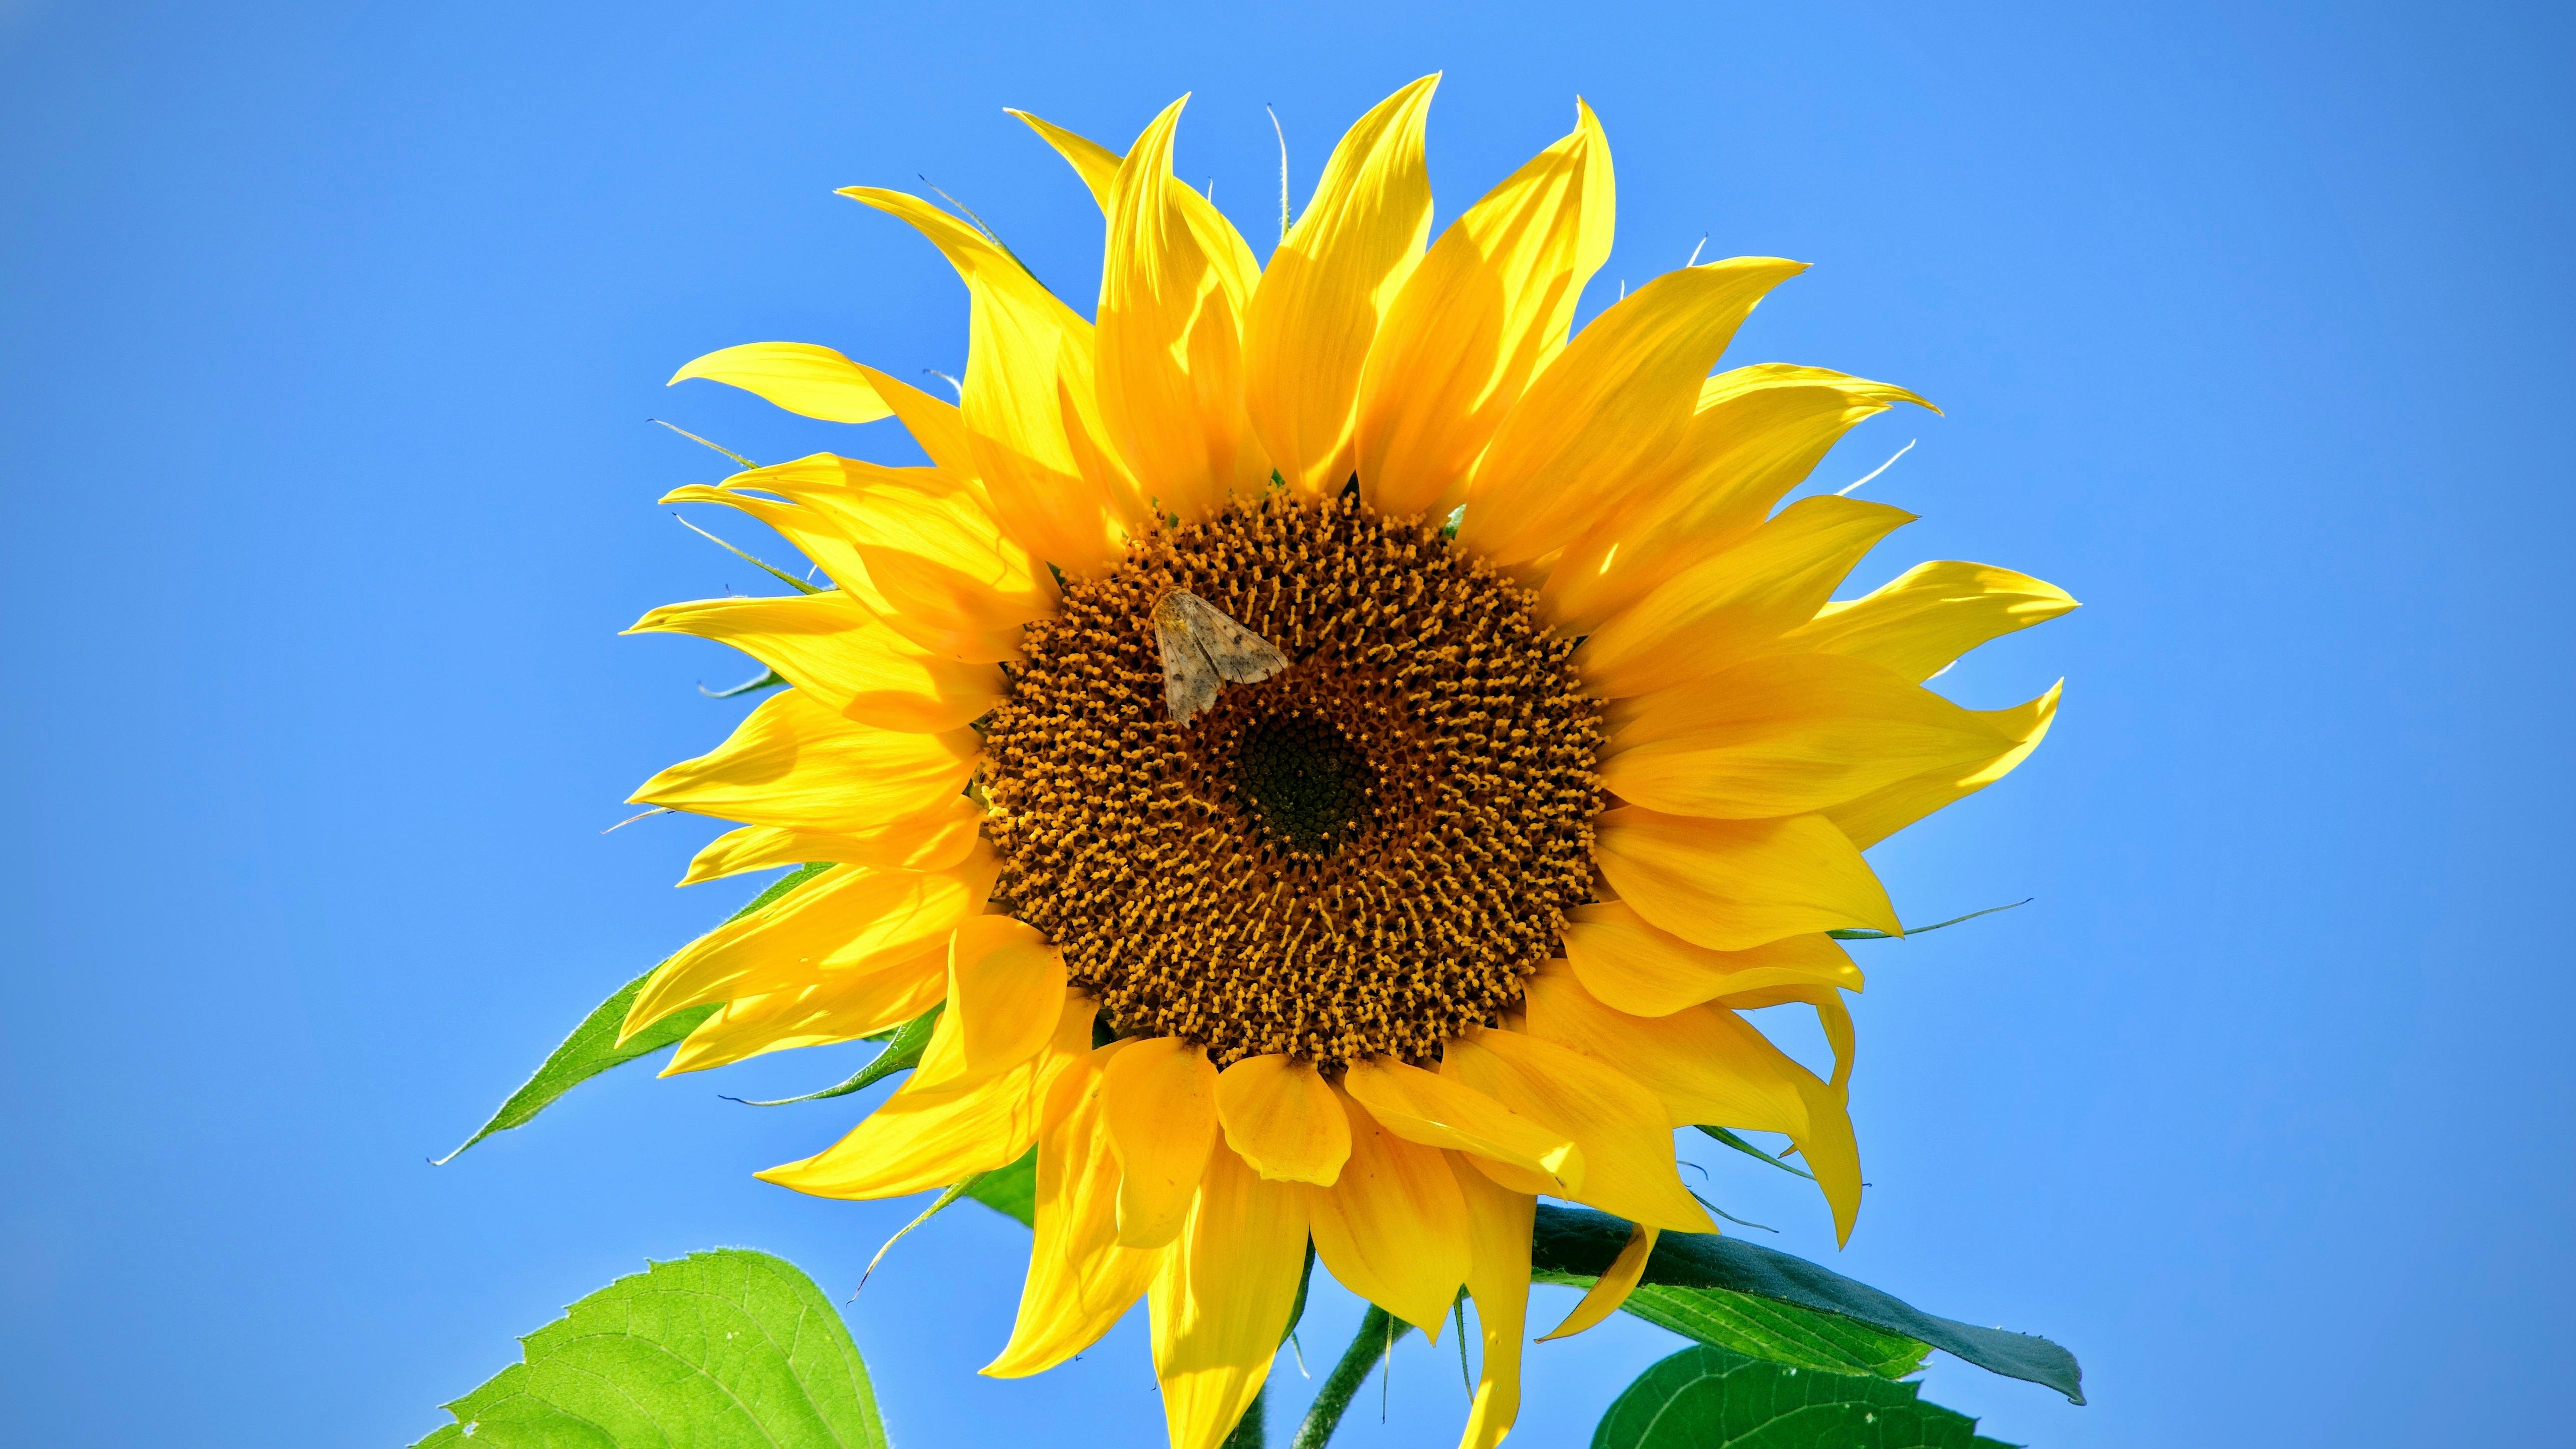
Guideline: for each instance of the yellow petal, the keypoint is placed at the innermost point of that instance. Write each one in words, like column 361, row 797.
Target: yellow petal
column 932, row 545
column 798, row 376
column 921, row 1138
column 935, row 839
column 1758, row 432
column 1487, row 307
column 1646, row 972
column 1734, row 605
column 1080, row 1281
column 1731, row 885
column 823, row 542
column 1005, row 992
column 848, row 919
column 1169, row 347
column 795, row 763
column 1612, row 413
column 1709, row 1066
column 1437, row 1111
column 845, row 1006
column 1498, row 1278
column 931, row 1136
column 1785, row 735
column 1393, row 1227
column 1028, row 396
column 1832, row 1015
column 934, row 423
column 1159, row 1102
column 1279, row 1116
column 1706, row 1064
column 1876, row 816
column 1221, row 1302
column 1316, row 309
column 1929, row 615
column 1096, row 164
column 838, row 653
column 813, row 535
column 1613, row 1286
column 1628, row 1162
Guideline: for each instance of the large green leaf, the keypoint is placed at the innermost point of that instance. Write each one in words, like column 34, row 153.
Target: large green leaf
column 1579, row 1244
column 592, row 1048
column 1780, row 1332
column 717, row 1349
column 1709, row 1398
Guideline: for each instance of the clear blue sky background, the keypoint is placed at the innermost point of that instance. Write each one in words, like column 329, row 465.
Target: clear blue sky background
column 326, row 338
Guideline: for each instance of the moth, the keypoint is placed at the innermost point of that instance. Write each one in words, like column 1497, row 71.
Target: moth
column 1201, row 647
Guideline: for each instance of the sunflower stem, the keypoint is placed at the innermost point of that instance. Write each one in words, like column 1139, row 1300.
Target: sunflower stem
column 1378, row 1332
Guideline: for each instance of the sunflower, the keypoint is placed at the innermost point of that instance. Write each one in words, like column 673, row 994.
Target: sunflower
column 1343, row 753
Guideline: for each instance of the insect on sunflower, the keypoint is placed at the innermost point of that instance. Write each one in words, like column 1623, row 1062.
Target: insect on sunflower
column 1344, row 753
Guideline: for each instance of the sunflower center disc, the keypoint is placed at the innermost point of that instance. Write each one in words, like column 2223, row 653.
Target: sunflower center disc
column 1304, row 781
column 1365, row 853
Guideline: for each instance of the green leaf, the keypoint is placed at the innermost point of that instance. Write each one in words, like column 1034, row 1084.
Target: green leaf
column 1779, row 1332
column 1578, row 1244
column 592, row 1048
column 1011, row 1191
column 716, row 1349
column 1709, row 1398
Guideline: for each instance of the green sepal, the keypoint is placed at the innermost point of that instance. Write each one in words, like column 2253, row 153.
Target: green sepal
column 593, row 1048
column 1855, row 934
column 1010, row 1190
column 904, row 1047
column 1749, row 1150
column 1575, row 1245
column 1703, row 1397
column 725, row 1347
column 767, row 679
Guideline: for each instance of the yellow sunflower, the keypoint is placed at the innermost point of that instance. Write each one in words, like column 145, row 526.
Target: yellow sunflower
column 1343, row 752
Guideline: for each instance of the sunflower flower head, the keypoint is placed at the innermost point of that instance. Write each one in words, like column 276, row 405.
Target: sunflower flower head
column 1339, row 750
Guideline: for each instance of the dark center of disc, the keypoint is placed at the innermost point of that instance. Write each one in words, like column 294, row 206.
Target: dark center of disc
column 1305, row 782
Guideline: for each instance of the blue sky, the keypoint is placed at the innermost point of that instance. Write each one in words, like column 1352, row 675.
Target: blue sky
column 329, row 336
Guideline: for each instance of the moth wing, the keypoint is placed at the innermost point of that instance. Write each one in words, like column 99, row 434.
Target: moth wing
column 1189, row 679
column 1237, row 652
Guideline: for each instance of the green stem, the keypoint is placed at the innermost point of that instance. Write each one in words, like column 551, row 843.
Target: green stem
column 1378, row 1332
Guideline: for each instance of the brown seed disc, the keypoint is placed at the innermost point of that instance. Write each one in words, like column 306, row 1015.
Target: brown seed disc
column 1365, row 853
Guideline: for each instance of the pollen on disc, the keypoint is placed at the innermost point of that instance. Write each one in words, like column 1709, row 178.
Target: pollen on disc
column 1367, row 852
